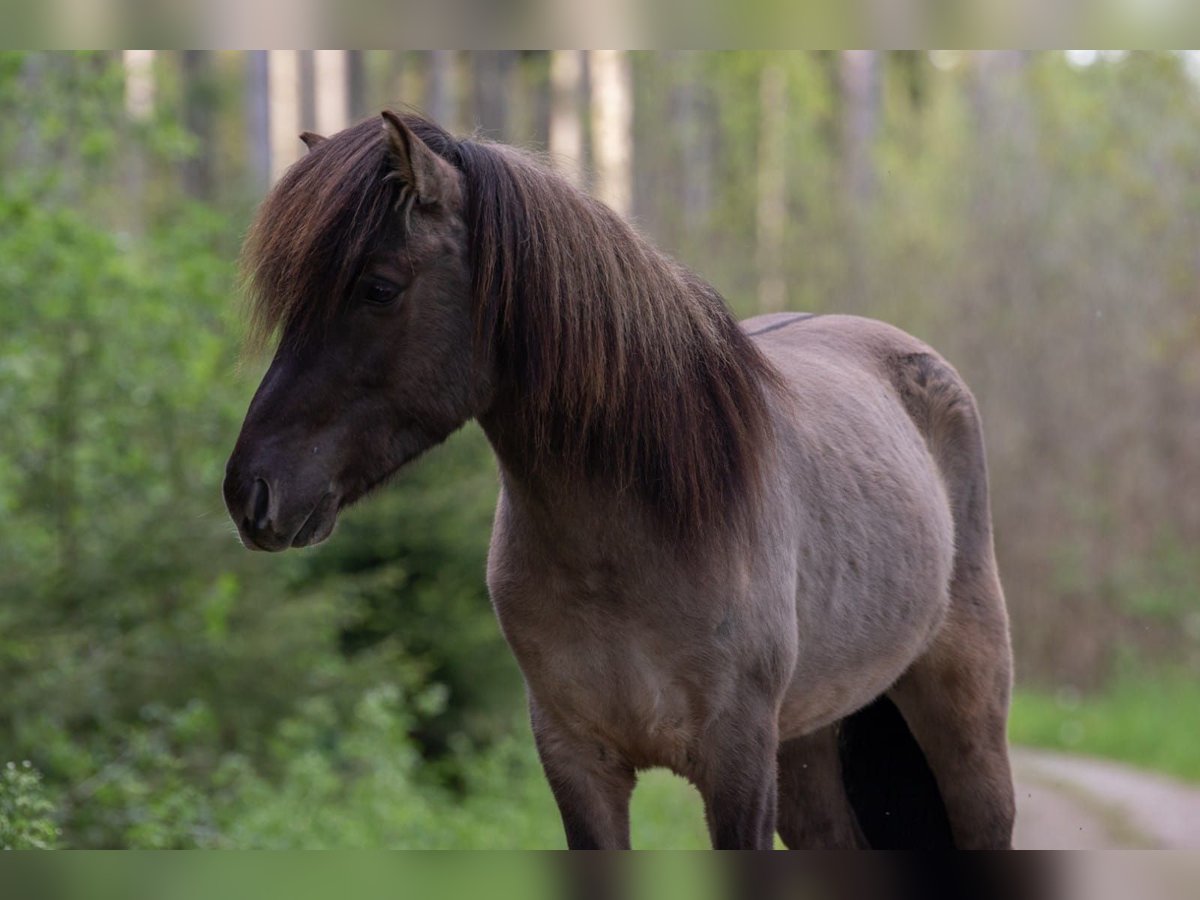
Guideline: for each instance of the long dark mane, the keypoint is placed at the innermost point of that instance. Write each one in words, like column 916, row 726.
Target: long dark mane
column 621, row 364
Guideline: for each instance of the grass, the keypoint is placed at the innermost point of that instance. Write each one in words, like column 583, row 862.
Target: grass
column 666, row 813
column 1150, row 721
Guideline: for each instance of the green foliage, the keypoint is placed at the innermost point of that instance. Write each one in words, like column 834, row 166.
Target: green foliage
column 365, row 785
column 326, row 781
column 368, row 787
column 26, row 813
column 143, row 650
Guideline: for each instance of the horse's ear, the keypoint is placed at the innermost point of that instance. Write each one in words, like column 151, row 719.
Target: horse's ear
column 311, row 139
column 413, row 163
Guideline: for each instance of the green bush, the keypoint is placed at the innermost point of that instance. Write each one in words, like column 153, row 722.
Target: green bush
column 26, row 813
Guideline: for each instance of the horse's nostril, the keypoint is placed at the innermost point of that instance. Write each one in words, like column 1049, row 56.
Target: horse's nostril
column 260, row 498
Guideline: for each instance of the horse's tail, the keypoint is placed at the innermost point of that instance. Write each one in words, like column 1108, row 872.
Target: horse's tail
column 890, row 785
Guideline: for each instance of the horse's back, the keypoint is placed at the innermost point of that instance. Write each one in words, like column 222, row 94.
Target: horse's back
column 788, row 337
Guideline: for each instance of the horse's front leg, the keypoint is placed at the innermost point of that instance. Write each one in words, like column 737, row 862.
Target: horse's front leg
column 738, row 780
column 591, row 785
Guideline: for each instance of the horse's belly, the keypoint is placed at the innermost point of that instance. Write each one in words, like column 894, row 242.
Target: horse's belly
column 813, row 703
column 868, row 606
column 847, row 660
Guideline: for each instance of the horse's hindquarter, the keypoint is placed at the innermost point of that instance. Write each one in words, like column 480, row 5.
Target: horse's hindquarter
column 872, row 525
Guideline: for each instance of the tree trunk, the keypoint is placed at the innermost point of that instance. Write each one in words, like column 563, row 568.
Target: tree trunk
column 859, row 87
column 861, row 94
column 285, row 110
column 356, row 84
column 332, row 91
column 139, row 83
column 612, row 127
column 308, row 89
column 491, row 72
column 258, row 118
column 771, row 217
column 566, row 114
column 440, row 102
column 139, row 107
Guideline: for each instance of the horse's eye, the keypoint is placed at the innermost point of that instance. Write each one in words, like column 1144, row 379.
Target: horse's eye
column 378, row 292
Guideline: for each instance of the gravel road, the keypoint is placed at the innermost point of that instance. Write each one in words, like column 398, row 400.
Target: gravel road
column 1076, row 803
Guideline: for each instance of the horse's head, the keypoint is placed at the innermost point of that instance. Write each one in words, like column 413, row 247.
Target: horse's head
column 359, row 259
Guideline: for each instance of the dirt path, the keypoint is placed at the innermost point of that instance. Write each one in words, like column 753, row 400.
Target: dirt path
column 1076, row 803
column 1068, row 802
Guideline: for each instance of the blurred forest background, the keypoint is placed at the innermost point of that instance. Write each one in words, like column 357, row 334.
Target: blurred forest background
column 1034, row 216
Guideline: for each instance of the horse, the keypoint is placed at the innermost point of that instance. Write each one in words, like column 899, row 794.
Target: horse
column 717, row 546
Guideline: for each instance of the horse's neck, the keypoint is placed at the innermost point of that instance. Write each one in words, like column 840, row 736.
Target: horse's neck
column 559, row 504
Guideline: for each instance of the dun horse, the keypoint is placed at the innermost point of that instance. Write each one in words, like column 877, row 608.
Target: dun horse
column 735, row 551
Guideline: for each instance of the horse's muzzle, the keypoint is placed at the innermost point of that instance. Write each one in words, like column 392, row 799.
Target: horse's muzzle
column 269, row 520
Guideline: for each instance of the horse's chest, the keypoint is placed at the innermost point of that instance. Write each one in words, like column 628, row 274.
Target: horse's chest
column 607, row 674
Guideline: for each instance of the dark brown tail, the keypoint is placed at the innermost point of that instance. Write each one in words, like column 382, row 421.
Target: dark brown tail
column 891, row 787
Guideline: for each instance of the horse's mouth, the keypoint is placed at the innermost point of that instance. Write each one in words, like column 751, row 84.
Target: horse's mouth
column 319, row 524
